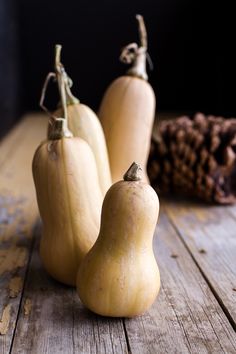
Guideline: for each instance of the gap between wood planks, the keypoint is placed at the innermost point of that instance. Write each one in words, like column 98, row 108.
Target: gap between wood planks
column 126, row 336
column 179, row 233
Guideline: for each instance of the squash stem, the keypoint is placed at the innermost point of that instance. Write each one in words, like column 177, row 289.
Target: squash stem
column 132, row 173
column 142, row 31
column 59, row 125
column 60, row 130
column 137, row 55
column 61, row 77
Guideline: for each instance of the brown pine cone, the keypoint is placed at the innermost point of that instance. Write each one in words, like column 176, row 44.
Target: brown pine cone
column 195, row 156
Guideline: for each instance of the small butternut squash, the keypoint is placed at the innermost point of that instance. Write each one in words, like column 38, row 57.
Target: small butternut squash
column 84, row 123
column 119, row 277
column 69, row 199
column 127, row 111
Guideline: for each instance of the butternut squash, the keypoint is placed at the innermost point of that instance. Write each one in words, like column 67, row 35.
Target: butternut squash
column 127, row 111
column 119, row 277
column 84, row 123
column 69, row 198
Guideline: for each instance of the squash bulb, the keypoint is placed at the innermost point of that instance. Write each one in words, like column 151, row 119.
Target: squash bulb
column 69, row 200
column 127, row 112
column 119, row 277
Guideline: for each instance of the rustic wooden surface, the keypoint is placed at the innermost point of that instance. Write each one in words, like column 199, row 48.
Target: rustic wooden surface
column 195, row 247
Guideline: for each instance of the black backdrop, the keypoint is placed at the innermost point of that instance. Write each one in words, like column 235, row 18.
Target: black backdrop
column 191, row 44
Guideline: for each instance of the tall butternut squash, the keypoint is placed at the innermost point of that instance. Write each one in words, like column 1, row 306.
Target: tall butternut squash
column 69, row 198
column 127, row 111
column 119, row 277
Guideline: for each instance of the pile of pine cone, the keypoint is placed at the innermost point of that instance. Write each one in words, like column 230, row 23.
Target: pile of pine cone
column 195, row 156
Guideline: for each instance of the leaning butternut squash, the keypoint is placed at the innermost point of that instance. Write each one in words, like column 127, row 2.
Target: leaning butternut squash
column 127, row 111
column 119, row 276
column 69, row 199
column 84, row 123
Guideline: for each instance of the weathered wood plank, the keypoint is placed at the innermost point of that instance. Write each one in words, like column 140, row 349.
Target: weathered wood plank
column 18, row 212
column 231, row 210
column 58, row 323
column 209, row 232
column 186, row 318
column 14, row 138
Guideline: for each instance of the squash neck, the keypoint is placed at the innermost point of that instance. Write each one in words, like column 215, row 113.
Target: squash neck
column 70, row 98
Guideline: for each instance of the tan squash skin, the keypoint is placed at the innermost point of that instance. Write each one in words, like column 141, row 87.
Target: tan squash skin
column 84, row 123
column 127, row 114
column 69, row 200
column 119, row 277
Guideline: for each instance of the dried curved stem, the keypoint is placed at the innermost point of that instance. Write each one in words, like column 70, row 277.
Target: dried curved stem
column 142, row 31
column 59, row 127
column 61, row 77
column 58, row 49
column 43, row 93
column 135, row 54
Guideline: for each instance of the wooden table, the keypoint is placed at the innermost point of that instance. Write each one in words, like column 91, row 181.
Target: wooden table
column 195, row 247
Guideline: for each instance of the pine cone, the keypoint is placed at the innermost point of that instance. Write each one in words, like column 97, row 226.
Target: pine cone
column 196, row 156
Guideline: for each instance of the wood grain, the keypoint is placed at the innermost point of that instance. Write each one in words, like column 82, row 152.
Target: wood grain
column 186, row 318
column 195, row 250
column 209, row 234
column 231, row 209
column 58, row 323
column 14, row 138
column 18, row 212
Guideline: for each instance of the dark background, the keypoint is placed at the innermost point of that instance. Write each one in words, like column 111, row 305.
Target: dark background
column 192, row 45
